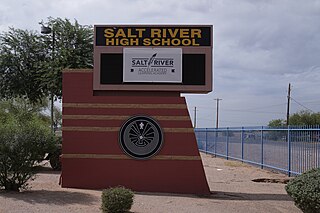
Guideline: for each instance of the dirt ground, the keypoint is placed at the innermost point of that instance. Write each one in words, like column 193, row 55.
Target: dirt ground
column 230, row 182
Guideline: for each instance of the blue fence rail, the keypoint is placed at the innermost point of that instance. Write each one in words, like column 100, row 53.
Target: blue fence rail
column 293, row 149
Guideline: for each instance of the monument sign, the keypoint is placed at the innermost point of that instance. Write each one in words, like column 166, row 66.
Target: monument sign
column 124, row 122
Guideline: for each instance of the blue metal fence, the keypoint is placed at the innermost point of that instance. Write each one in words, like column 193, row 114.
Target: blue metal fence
column 293, row 150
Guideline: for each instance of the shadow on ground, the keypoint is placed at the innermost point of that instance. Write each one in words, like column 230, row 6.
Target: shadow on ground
column 217, row 195
column 51, row 197
column 247, row 196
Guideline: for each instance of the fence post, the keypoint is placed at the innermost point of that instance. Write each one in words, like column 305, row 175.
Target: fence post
column 262, row 147
column 227, row 144
column 242, row 131
column 289, row 152
column 206, row 141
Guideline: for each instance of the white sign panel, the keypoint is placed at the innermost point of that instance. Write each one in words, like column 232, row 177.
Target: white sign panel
column 152, row 65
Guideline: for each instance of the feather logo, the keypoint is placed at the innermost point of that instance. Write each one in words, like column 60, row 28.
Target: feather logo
column 151, row 59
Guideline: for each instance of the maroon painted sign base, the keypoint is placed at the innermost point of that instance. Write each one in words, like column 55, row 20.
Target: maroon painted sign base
column 91, row 154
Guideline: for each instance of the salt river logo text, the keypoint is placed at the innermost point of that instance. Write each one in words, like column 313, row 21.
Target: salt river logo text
column 153, row 65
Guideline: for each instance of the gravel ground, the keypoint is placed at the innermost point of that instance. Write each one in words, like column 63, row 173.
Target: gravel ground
column 230, row 182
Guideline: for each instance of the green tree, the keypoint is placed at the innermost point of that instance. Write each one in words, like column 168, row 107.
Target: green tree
column 24, row 139
column 305, row 118
column 277, row 123
column 23, row 109
column 276, row 135
column 73, row 48
column 22, row 54
column 29, row 67
column 300, row 118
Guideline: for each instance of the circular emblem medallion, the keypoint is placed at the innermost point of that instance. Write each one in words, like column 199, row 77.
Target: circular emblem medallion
column 140, row 137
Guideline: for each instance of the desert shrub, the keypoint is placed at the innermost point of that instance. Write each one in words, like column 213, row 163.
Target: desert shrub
column 22, row 145
column 305, row 191
column 117, row 199
column 54, row 156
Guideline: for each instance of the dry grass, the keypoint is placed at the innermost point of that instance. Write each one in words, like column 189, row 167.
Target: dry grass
column 235, row 164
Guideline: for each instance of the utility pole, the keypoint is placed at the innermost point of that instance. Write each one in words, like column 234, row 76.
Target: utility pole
column 217, row 119
column 195, row 118
column 288, row 104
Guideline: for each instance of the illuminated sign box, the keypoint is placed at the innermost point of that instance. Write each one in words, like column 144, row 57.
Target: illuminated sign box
column 152, row 65
column 153, row 58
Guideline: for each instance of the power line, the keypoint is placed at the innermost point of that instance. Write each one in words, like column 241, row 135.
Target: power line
column 301, row 105
column 245, row 110
column 318, row 101
column 240, row 110
column 261, row 112
column 227, row 121
column 202, row 107
column 268, row 106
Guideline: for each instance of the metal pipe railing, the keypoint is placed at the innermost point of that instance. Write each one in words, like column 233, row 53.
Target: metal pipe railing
column 292, row 150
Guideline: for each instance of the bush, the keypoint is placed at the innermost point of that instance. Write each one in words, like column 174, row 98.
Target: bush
column 118, row 199
column 305, row 191
column 22, row 145
column 54, row 156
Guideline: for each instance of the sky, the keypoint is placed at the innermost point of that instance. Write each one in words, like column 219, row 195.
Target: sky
column 260, row 46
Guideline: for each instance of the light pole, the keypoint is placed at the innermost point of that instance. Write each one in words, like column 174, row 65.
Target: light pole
column 48, row 30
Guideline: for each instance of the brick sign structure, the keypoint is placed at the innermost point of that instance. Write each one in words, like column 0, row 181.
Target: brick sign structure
column 124, row 122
